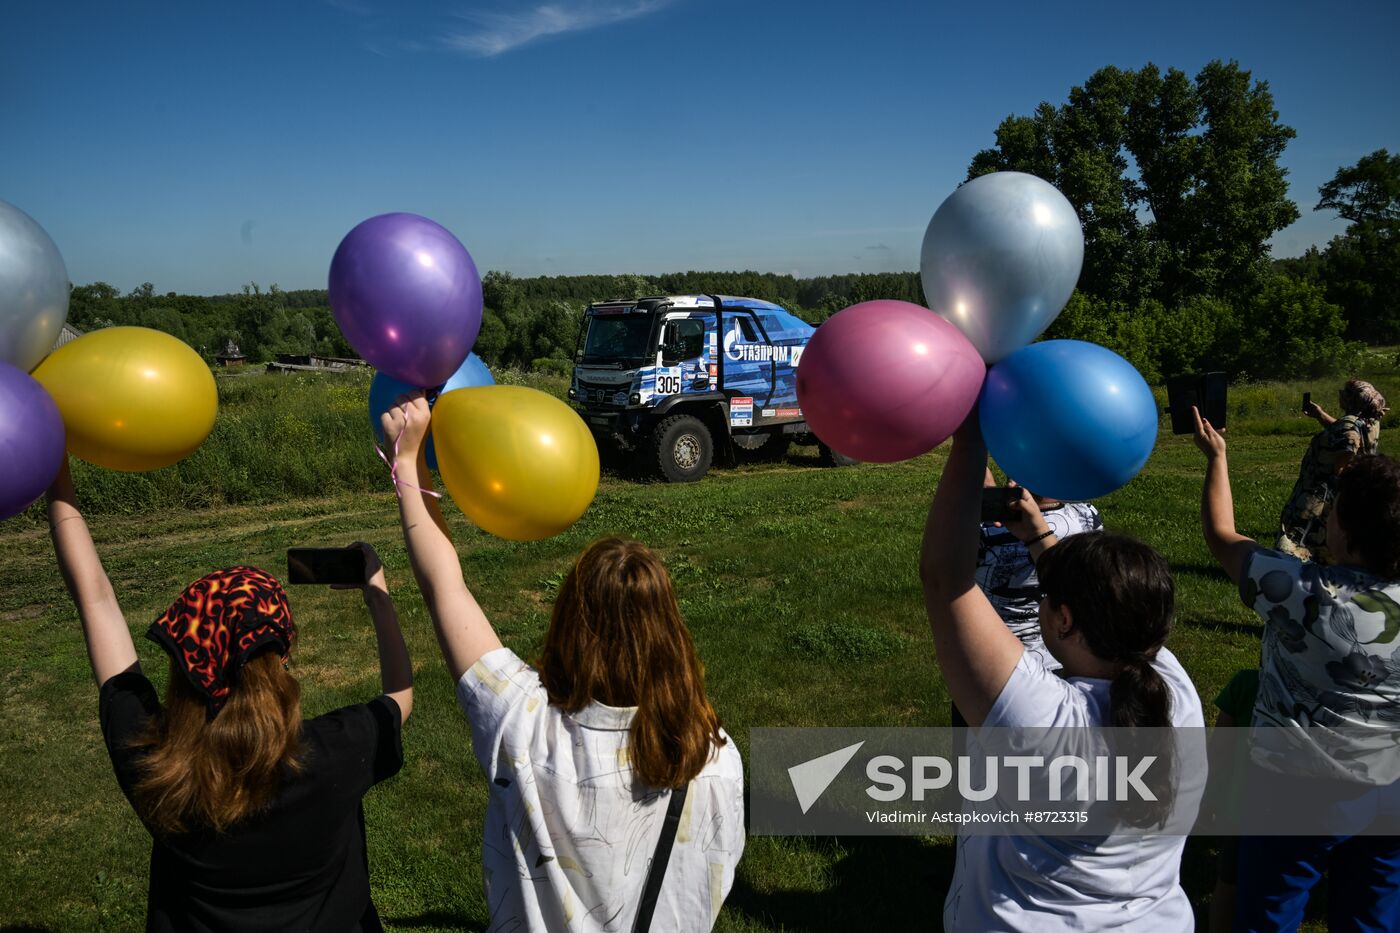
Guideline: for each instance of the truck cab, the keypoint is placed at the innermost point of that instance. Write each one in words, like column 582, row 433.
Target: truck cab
column 677, row 380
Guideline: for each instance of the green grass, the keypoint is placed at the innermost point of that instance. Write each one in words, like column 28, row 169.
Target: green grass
column 275, row 438
column 799, row 584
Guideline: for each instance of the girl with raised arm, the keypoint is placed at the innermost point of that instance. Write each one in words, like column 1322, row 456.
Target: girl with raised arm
column 616, row 798
column 1105, row 613
column 1327, row 711
column 254, row 813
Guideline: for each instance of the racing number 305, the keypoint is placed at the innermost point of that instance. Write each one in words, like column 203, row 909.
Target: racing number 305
column 668, row 382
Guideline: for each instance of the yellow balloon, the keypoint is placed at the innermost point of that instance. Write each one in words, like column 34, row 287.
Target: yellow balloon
column 518, row 462
column 132, row 398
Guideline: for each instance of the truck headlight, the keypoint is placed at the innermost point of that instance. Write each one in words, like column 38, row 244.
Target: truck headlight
column 573, row 393
column 634, row 399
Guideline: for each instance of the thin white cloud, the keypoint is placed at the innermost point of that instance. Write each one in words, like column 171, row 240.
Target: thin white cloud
column 495, row 33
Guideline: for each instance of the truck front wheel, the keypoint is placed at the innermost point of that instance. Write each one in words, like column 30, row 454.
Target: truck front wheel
column 833, row 458
column 683, row 448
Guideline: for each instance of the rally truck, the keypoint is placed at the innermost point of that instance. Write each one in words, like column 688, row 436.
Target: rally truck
column 674, row 382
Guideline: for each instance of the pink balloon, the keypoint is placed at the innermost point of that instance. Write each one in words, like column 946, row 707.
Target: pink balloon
column 887, row 380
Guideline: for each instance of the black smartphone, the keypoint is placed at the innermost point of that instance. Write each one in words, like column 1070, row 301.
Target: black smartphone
column 1206, row 392
column 1307, row 400
column 326, row 565
column 997, row 502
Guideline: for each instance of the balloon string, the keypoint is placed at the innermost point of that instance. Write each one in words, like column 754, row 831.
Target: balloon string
column 394, row 468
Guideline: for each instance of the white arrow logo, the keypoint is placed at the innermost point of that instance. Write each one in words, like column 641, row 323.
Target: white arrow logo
column 811, row 778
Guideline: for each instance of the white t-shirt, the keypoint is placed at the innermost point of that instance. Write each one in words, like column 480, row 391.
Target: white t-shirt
column 1051, row 883
column 569, row 834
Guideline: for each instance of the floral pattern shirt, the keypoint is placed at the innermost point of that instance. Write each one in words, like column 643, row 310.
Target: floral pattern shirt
column 1329, row 680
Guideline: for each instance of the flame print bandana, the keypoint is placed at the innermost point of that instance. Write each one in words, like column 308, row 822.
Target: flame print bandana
column 218, row 622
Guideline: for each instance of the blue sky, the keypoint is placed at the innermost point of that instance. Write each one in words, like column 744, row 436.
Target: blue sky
column 201, row 145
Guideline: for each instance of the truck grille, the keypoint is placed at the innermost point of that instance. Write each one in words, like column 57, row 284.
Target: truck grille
column 598, row 394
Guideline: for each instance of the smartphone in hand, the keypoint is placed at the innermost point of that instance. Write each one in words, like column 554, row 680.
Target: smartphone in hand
column 1307, row 400
column 344, row 566
column 997, row 502
column 1206, row 393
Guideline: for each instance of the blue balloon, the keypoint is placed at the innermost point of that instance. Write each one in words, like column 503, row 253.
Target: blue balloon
column 1068, row 419
column 385, row 390
column 471, row 374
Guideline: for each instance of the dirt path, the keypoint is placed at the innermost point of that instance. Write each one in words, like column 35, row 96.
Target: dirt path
column 173, row 528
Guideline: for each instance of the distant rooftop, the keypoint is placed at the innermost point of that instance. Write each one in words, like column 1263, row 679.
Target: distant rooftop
column 67, row 335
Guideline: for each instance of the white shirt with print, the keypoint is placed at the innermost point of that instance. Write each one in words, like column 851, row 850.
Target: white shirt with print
column 569, row 833
column 1054, row 883
column 1006, row 573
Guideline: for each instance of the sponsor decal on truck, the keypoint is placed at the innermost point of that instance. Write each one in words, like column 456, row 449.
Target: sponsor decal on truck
column 741, row 412
column 668, row 380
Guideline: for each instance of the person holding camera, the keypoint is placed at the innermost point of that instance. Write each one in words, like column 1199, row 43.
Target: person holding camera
column 1303, row 521
column 1327, row 714
column 255, row 814
column 1005, row 568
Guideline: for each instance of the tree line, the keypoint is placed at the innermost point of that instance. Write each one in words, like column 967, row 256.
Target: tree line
column 1178, row 184
column 525, row 320
column 1176, row 180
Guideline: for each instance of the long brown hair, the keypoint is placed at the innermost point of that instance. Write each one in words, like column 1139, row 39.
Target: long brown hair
column 616, row 637
column 200, row 773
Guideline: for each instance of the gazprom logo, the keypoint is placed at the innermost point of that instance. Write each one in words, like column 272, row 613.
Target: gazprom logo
column 738, row 351
column 731, row 343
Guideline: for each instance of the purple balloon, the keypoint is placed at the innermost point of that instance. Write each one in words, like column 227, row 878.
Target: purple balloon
column 407, row 297
column 32, row 442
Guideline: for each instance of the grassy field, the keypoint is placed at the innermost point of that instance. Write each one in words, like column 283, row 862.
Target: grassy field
column 798, row 582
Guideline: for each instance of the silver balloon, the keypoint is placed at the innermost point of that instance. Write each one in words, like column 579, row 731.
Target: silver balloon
column 1000, row 259
column 33, row 290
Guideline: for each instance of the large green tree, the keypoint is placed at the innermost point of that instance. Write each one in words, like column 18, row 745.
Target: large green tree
column 1367, row 192
column 1175, row 179
column 1361, row 268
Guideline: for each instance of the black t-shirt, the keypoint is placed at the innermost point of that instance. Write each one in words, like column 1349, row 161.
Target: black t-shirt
column 298, row 865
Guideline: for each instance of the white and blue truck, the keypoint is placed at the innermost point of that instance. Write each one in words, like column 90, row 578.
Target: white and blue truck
column 678, row 381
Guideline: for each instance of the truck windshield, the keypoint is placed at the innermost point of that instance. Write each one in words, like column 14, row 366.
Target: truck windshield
column 617, row 339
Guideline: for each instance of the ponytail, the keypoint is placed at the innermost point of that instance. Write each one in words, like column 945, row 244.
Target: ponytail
column 1138, row 698
column 1139, row 695
column 1120, row 594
